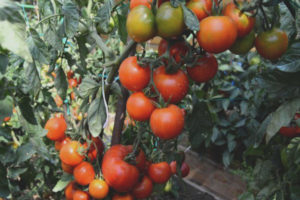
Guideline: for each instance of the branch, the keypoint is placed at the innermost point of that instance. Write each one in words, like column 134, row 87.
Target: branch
column 108, row 52
column 46, row 18
column 290, row 7
column 120, row 117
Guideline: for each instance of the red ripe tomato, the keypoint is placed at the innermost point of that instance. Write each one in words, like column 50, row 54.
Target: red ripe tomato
column 72, row 83
column 132, row 76
column 96, row 148
column 185, row 169
column 243, row 22
column 217, row 34
column 122, row 197
column 59, row 144
column 84, row 173
column 6, row 119
column 201, row 8
column 70, row 190
column 69, row 153
column 159, row 172
column 98, row 189
column 272, row 44
column 172, row 87
column 119, row 174
column 80, row 195
column 178, row 50
column 289, row 131
column 139, row 107
column 67, row 168
column 70, row 74
column 141, row 160
column 205, row 69
column 167, row 123
column 143, row 189
column 56, row 128
column 135, row 3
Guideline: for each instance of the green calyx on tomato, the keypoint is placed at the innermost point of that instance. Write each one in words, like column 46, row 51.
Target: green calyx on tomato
column 141, row 24
column 169, row 21
column 244, row 44
column 272, row 44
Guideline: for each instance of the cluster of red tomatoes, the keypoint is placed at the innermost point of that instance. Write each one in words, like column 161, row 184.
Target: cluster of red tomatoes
column 232, row 30
column 126, row 180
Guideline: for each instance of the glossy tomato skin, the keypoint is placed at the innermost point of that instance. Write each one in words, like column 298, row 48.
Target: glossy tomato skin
column 177, row 50
column 98, row 189
column 159, row 172
column 119, row 174
column 56, row 128
column 201, row 8
column 167, row 123
column 205, row 70
column 69, row 155
column 243, row 45
column 135, row 3
column 169, row 21
column 143, row 189
column 289, row 131
column 272, row 44
column 70, row 74
column 96, row 148
column 80, row 195
column 59, row 144
column 84, row 173
column 69, row 190
column 185, row 169
column 72, row 83
column 123, row 197
column 67, row 168
column 140, row 24
column 132, row 76
column 173, row 87
column 139, row 107
column 243, row 22
column 217, row 34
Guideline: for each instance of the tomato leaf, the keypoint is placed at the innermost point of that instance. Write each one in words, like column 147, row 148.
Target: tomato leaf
column 83, row 50
column 103, row 14
column 88, row 87
column 3, row 63
column 25, row 152
column 62, row 183
column 61, row 83
column 96, row 116
column 27, row 110
column 190, row 19
column 32, row 77
column 71, row 18
column 53, row 39
column 282, row 117
column 6, row 107
column 226, row 158
column 122, row 28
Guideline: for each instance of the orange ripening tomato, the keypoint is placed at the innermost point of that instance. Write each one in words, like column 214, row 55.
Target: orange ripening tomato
column 70, row 190
column 217, row 33
column 56, row 128
column 69, row 153
column 243, row 22
column 67, row 168
column 135, row 3
column 178, row 50
column 204, row 70
column 72, row 83
column 98, row 189
column 172, row 87
column 84, row 173
column 132, row 76
column 59, row 144
column 6, row 119
column 159, row 172
column 80, row 195
column 167, row 123
column 123, row 197
column 201, row 8
column 139, row 107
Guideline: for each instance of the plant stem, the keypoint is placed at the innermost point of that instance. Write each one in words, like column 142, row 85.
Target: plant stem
column 108, row 52
column 46, row 18
column 290, row 7
column 120, row 117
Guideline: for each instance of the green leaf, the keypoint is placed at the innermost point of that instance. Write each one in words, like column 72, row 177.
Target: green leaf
column 103, row 14
column 226, row 158
column 27, row 110
column 96, row 116
column 83, row 50
column 61, row 83
column 14, row 173
column 71, row 18
column 25, row 152
column 62, row 183
column 6, row 107
column 9, row 11
column 4, row 190
column 37, row 47
column 53, row 39
column 32, row 77
column 3, row 63
column 122, row 28
column 88, row 87
column 281, row 117
column 190, row 19
column 199, row 124
column 290, row 62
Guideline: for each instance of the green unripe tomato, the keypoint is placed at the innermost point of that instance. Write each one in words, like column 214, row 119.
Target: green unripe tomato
column 244, row 44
